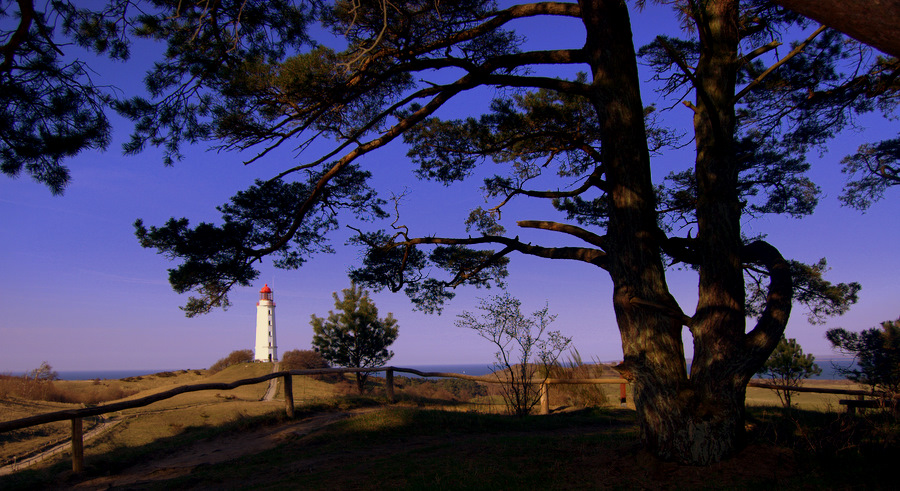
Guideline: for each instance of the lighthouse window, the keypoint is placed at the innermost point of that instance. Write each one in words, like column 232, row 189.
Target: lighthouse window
column 270, row 322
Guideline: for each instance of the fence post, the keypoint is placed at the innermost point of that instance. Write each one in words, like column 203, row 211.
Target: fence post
column 77, row 446
column 545, row 397
column 622, row 394
column 389, row 386
column 288, row 396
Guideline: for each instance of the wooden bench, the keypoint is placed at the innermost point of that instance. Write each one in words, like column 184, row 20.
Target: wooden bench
column 852, row 404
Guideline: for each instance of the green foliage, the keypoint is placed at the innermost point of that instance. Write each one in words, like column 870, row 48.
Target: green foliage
column 233, row 358
column 787, row 366
column 254, row 221
column 526, row 350
column 873, row 169
column 352, row 335
column 50, row 109
column 822, row 298
column 876, row 352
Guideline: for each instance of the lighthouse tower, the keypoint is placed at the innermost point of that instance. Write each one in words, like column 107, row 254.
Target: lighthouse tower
column 266, row 349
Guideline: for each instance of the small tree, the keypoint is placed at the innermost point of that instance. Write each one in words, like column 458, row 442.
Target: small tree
column 787, row 366
column 233, row 358
column 353, row 335
column 43, row 373
column 876, row 353
column 524, row 345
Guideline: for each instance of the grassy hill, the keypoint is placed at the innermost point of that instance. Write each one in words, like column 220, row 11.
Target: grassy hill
column 162, row 419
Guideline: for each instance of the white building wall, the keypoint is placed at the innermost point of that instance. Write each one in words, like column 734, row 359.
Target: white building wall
column 266, row 347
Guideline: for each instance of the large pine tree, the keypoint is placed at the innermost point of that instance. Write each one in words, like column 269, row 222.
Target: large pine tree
column 240, row 75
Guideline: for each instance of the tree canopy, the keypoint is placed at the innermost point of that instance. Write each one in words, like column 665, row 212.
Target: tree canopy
column 876, row 353
column 568, row 127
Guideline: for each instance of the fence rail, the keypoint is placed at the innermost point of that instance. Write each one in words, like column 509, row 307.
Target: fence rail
column 76, row 415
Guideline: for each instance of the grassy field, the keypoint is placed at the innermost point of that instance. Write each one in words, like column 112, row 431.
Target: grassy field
column 428, row 440
column 160, row 420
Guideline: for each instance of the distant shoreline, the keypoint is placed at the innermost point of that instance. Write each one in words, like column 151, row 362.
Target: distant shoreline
column 825, row 363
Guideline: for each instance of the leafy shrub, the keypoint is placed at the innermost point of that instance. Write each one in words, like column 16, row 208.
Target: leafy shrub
column 303, row 360
column 234, row 358
column 307, row 360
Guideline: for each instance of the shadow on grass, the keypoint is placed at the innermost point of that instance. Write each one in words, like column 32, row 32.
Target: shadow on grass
column 410, row 448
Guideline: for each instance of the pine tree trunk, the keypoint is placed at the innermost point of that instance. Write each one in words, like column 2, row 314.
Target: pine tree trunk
column 692, row 425
column 697, row 419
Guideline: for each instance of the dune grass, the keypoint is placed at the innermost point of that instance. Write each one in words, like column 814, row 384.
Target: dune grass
column 455, row 447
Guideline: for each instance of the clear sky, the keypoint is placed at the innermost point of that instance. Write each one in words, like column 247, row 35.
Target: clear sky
column 78, row 291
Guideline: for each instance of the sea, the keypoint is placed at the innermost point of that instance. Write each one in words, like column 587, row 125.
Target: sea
column 468, row 369
column 829, row 366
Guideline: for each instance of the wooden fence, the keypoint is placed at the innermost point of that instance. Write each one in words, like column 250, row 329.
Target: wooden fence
column 77, row 415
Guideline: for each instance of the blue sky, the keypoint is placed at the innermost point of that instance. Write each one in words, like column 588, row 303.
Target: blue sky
column 78, row 291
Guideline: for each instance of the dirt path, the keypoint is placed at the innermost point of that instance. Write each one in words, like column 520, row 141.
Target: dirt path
column 273, row 384
column 217, row 450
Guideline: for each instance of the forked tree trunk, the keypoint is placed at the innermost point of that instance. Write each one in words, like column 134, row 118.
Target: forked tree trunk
column 697, row 419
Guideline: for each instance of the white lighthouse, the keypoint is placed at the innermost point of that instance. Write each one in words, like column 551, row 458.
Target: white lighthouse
column 266, row 349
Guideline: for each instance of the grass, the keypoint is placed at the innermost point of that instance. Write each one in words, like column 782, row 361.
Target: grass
column 162, row 419
column 804, row 400
column 411, row 448
column 449, row 446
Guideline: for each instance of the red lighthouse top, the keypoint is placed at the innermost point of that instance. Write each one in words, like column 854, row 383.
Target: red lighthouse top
column 265, row 293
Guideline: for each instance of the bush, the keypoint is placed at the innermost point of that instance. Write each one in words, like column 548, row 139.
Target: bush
column 307, row 360
column 303, row 360
column 44, row 389
column 526, row 349
column 234, row 358
column 440, row 389
column 36, row 385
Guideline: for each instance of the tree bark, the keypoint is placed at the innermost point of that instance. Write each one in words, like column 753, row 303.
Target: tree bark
column 873, row 22
column 671, row 414
column 697, row 419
